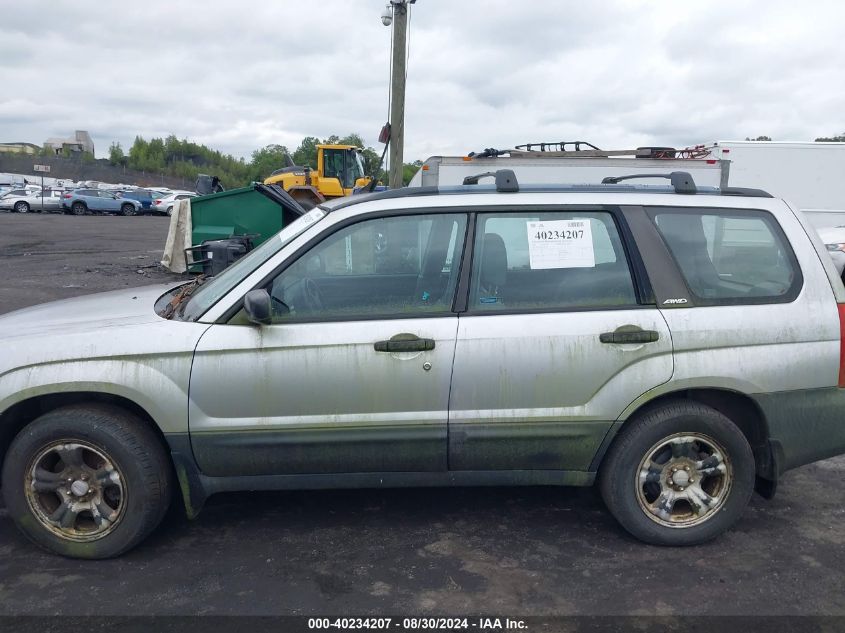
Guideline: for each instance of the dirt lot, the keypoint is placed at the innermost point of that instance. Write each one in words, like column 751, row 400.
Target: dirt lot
column 458, row 551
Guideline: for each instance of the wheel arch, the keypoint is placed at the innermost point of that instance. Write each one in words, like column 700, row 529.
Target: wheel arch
column 19, row 415
column 739, row 407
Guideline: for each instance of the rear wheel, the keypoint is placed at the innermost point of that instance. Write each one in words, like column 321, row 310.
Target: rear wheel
column 681, row 474
column 87, row 481
column 170, row 210
column 78, row 208
column 22, row 207
column 127, row 209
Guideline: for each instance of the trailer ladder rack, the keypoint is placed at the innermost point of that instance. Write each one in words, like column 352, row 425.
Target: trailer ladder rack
column 558, row 149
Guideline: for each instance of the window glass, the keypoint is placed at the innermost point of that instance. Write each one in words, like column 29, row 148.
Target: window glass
column 553, row 260
column 381, row 267
column 213, row 289
column 728, row 255
column 333, row 164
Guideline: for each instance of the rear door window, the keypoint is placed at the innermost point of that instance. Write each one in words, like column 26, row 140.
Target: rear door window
column 730, row 256
column 550, row 260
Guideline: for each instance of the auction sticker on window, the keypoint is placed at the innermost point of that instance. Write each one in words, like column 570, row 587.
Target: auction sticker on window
column 560, row 244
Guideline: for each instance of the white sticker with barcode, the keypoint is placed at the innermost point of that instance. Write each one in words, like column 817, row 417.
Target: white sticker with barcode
column 560, row 244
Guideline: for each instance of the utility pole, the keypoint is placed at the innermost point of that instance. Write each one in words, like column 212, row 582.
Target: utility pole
column 397, row 91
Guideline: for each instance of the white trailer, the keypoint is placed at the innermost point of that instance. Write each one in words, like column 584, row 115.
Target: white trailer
column 572, row 167
column 809, row 176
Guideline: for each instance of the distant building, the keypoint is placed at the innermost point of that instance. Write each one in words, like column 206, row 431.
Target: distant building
column 19, row 148
column 80, row 142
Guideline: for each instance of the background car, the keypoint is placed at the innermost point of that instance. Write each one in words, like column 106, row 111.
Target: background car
column 144, row 196
column 82, row 201
column 20, row 191
column 33, row 201
column 165, row 205
column 834, row 239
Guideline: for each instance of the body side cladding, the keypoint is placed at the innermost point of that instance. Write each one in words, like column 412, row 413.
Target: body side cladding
column 805, row 425
column 197, row 487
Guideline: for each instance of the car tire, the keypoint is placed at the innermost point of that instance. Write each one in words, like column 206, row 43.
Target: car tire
column 78, row 208
column 679, row 474
column 87, row 481
column 127, row 209
column 21, row 207
column 169, row 211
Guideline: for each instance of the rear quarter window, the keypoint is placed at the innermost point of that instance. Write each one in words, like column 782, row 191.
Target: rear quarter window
column 730, row 256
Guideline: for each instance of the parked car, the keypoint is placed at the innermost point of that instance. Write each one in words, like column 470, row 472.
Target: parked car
column 834, row 239
column 165, row 205
column 651, row 339
column 33, row 201
column 20, row 191
column 144, row 196
column 82, row 201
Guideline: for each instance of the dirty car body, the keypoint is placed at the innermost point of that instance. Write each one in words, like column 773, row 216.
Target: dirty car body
column 647, row 339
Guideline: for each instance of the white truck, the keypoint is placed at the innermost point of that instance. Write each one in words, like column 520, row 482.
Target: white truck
column 809, row 176
column 553, row 163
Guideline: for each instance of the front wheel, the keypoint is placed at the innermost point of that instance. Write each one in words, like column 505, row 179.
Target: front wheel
column 127, row 209
column 681, row 474
column 22, row 207
column 86, row 481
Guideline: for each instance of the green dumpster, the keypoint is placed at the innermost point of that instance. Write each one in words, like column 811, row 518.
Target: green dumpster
column 259, row 210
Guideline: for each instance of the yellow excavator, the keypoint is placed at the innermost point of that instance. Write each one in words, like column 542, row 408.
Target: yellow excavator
column 340, row 170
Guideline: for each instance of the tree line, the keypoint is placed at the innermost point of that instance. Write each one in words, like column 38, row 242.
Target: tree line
column 185, row 159
column 840, row 138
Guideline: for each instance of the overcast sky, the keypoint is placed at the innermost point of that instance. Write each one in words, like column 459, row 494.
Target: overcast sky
column 482, row 73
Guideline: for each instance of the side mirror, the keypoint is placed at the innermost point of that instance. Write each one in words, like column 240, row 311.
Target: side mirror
column 257, row 307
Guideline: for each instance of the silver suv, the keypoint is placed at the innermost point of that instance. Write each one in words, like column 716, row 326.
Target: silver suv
column 679, row 346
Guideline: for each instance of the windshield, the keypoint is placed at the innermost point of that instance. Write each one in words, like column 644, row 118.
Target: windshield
column 211, row 292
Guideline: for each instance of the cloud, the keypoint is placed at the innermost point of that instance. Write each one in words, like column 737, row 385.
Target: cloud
column 481, row 73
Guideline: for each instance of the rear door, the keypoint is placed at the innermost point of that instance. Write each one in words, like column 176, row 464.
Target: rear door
column 559, row 337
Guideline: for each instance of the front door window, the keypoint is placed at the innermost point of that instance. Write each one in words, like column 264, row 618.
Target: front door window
column 386, row 267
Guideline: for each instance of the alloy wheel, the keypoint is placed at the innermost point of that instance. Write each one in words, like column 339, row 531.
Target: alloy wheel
column 684, row 480
column 75, row 490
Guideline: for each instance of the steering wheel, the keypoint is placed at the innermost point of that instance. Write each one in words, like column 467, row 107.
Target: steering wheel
column 312, row 295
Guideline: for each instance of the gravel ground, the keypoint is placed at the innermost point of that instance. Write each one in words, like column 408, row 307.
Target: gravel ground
column 509, row 551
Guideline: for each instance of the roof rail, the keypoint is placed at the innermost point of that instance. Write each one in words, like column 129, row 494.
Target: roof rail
column 506, row 181
column 681, row 181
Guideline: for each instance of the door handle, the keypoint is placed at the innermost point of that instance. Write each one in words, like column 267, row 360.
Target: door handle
column 629, row 336
column 404, row 344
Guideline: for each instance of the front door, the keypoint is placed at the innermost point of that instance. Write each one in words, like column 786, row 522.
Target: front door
column 555, row 344
column 353, row 374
